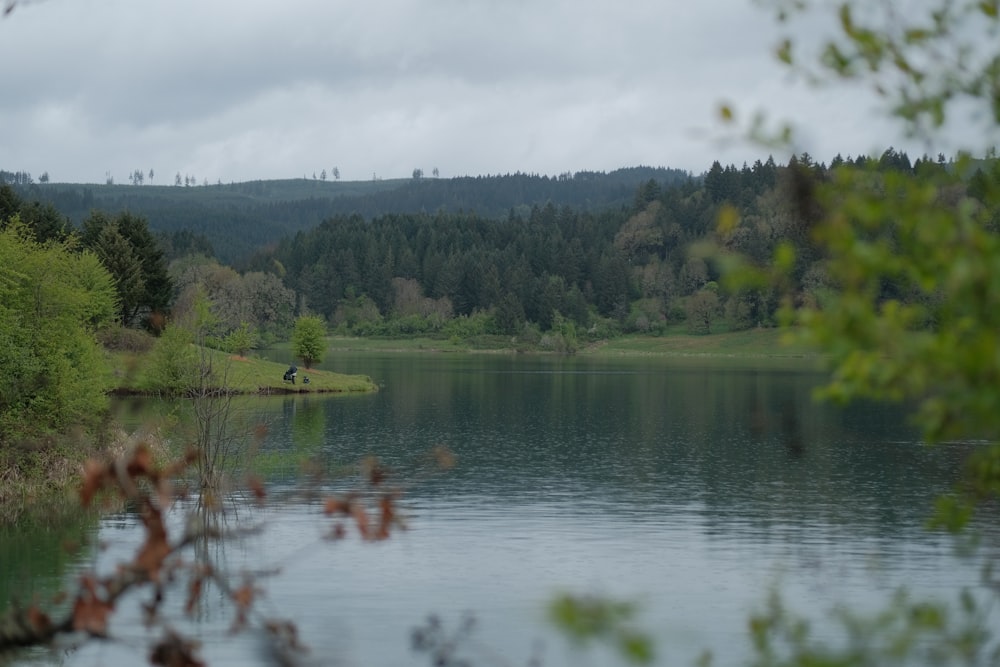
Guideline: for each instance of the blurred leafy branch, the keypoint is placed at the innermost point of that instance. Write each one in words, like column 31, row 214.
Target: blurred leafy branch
column 907, row 309
column 904, row 297
column 910, row 262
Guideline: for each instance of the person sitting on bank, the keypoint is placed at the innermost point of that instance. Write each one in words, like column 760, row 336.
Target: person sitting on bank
column 290, row 374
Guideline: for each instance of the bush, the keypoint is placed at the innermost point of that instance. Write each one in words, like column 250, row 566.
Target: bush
column 123, row 339
column 702, row 310
column 465, row 327
column 241, row 340
column 603, row 329
column 173, row 363
column 646, row 317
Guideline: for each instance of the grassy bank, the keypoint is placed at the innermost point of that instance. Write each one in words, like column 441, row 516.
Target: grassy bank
column 131, row 370
column 750, row 343
column 244, row 375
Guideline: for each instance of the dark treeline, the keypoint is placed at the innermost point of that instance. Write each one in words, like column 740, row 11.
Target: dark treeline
column 239, row 218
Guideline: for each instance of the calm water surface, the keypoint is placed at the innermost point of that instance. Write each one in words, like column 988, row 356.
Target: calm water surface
column 689, row 486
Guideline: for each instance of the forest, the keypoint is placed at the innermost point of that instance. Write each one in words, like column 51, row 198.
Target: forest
column 237, row 218
column 638, row 268
column 588, row 264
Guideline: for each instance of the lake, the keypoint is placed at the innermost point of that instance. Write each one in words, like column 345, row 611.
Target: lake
column 691, row 486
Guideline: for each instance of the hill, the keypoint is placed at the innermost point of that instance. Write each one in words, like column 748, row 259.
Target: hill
column 239, row 218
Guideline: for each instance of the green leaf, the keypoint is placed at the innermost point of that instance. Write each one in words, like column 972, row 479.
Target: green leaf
column 784, row 257
column 637, row 648
column 784, row 52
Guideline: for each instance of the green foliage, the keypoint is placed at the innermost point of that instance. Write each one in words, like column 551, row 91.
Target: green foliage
column 748, row 308
column 51, row 300
column 466, row 327
column 647, row 316
column 891, row 269
column 904, row 632
column 586, row 619
column 309, row 340
column 357, row 313
column 241, row 340
column 564, row 335
column 915, row 314
column 132, row 255
column 119, row 339
column 702, row 309
column 930, row 64
column 256, row 298
column 173, row 364
column 43, row 221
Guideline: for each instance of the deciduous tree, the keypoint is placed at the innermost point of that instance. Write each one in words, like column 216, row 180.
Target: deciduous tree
column 309, row 340
column 52, row 299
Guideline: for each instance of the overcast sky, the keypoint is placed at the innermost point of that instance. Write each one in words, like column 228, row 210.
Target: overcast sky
column 237, row 90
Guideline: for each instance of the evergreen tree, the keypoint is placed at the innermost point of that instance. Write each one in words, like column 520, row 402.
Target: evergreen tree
column 151, row 291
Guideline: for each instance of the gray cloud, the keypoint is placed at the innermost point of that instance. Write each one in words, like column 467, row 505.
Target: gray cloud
column 227, row 90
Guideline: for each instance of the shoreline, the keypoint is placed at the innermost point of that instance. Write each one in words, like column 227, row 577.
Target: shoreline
column 751, row 343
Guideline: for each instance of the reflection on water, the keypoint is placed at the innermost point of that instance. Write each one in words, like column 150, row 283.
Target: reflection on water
column 690, row 488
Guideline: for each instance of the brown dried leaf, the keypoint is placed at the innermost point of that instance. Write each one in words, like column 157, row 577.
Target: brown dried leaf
column 334, row 505
column 141, row 463
column 194, row 594
column 156, row 548
column 90, row 613
column 243, row 599
column 387, row 516
column 361, row 520
column 175, row 651
column 39, row 620
column 373, row 471
column 243, row 596
column 256, row 485
column 95, row 476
